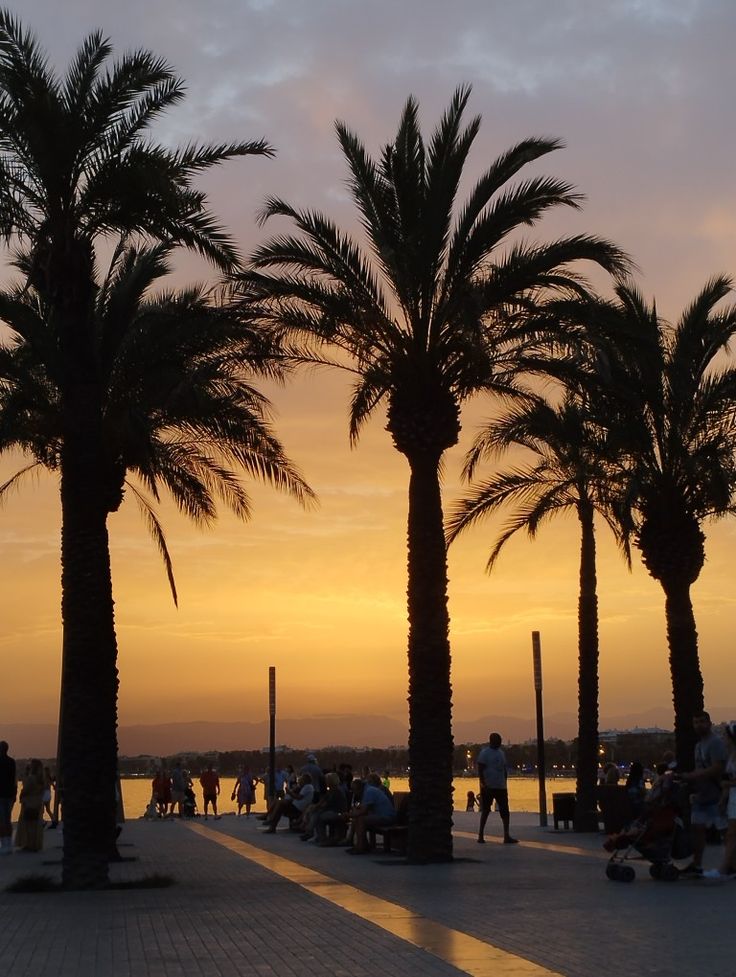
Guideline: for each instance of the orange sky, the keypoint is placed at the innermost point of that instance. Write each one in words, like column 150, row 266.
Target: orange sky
column 321, row 594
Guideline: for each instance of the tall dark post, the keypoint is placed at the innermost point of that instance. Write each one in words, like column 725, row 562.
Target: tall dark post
column 541, row 765
column 272, row 732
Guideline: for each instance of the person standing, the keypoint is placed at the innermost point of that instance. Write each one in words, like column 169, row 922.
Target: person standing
column 493, row 777
column 161, row 786
column 705, row 811
column 210, row 784
column 29, row 833
column 48, row 783
column 8, row 793
column 178, row 788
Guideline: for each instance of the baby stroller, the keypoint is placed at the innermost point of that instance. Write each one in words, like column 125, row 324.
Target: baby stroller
column 189, row 804
column 659, row 836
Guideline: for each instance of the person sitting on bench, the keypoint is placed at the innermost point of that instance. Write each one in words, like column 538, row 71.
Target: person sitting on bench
column 295, row 802
column 331, row 814
column 376, row 810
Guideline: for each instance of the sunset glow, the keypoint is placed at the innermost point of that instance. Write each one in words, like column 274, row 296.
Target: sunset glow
column 321, row 593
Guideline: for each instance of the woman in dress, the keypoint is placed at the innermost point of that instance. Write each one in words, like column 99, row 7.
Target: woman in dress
column 244, row 791
column 29, row 833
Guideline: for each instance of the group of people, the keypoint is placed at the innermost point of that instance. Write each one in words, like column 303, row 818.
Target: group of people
column 35, row 799
column 334, row 807
column 172, row 793
column 710, row 790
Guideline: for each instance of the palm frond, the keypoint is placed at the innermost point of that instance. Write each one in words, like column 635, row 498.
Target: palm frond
column 157, row 534
column 15, row 480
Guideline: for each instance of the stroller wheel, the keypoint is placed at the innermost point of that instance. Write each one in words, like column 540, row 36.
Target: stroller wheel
column 612, row 871
column 670, row 873
column 626, row 873
column 655, row 870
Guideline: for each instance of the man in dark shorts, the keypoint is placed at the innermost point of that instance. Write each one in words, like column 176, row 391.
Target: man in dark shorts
column 210, row 784
column 492, row 774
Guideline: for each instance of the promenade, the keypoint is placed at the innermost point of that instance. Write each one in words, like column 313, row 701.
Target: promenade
column 249, row 905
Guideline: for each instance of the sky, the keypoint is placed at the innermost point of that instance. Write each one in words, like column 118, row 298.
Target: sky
column 641, row 93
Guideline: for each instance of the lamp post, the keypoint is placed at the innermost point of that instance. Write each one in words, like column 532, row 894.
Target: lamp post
column 541, row 766
column 272, row 732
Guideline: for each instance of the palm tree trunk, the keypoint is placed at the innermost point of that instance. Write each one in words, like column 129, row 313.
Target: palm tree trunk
column 89, row 671
column 687, row 679
column 586, row 808
column 430, row 692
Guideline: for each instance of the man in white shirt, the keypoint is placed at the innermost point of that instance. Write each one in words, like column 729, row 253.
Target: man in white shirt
column 295, row 802
column 492, row 774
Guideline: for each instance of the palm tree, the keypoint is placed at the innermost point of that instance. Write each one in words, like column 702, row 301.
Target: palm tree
column 425, row 318
column 674, row 407
column 178, row 412
column 77, row 166
column 571, row 470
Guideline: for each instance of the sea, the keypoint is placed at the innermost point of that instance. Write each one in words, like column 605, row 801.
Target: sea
column 523, row 793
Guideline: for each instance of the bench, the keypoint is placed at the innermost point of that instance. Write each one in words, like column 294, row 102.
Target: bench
column 394, row 835
column 563, row 809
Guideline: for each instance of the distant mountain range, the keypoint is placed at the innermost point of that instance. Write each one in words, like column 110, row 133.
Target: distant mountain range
column 313, row 732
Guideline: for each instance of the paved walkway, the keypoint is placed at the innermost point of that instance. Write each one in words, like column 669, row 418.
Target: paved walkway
column 249, row 905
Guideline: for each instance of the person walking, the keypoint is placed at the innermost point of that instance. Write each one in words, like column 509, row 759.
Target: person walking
column 493, row 777
column 8, row 794
column 705, row 812
column 727, row 869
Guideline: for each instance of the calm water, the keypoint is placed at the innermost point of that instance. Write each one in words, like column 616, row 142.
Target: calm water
column 523, row 793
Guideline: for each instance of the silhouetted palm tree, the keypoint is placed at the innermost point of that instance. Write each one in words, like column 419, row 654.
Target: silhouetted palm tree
column 675, row 406
column 426, row 318
column 77, row 165
column 178, row 408
column 570, row 470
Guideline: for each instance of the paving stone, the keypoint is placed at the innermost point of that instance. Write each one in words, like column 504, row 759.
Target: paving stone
column 229, row 917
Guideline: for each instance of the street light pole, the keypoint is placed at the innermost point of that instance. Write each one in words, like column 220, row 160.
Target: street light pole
column 541, row 764
column 271, row 732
